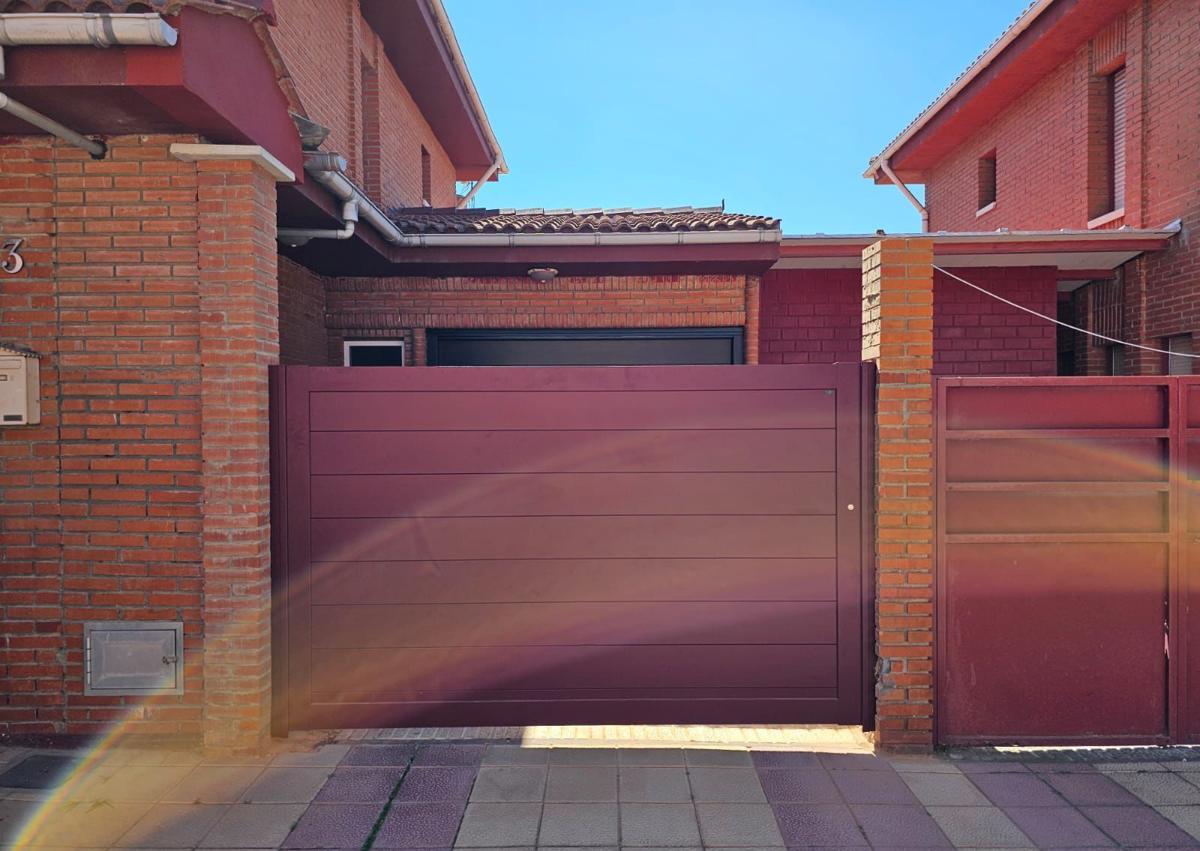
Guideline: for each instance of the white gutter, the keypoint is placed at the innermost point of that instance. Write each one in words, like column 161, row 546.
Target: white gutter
column 296, row 237
column 69, row 28
column 1000, row 236
column 886, row 167
column 327, row 169
column 478, row 185
column 460, row 65
column 994, row 50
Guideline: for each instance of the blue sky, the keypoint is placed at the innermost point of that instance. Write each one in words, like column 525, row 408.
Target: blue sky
column 775, row 106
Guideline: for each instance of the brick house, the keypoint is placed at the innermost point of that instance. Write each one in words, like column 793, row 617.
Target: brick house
column 1081, row 116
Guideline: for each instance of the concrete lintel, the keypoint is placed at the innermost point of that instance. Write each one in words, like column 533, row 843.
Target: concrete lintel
column 254, row 153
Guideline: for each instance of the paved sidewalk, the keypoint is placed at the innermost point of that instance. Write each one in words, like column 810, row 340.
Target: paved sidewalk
column 444, row 795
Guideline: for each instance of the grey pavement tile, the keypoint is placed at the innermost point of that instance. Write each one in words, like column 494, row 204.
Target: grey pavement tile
column 726, row 785
column 1017, row 790
column 365, row 785
column 979, row 827
column 514, row 783
column 581, row 783
column 14, row 815
column 325, row 756
column 887, row 824
column 944, row 790
column 420, row 825
column 235, row 759
column 515, row 755
column 254, row 826
column 491, row 825
column 1061, row 767
column 1091, row 790
column 579, row 824
column 738, row 824
column 583, row 756
column 1186, row 817
column 650, row 756
column 1057, row 827
column 437, row 784
column 1138, row 827
column 785, row 759
column 173, row 826
column 655, row 785
column 922, row 764
column 656, row 825
column 380, row 755
column 139, row 783
column 799, row 785
column 1142, row 766
column 872, row 787
column 86, row 823
column 715, row 758
column 449, row 754
column 286, row 786
column 854, row 762
column 334, row 826
column 815, row 825
column 213, row 784
column 1159, row 787
column 983, row 767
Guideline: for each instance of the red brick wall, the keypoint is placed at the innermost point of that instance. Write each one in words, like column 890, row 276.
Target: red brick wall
column 325, row 44
column 1042, row 153
column 811, row 316
column 405, row 307
column 814, row 316
column 302, row 336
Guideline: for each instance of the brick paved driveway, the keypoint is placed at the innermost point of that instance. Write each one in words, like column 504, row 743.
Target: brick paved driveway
column 456, row 795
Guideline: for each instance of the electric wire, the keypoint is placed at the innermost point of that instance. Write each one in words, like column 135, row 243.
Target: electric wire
column 1033, row 312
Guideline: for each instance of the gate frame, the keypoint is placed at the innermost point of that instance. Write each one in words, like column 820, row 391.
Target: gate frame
column 1177, row 434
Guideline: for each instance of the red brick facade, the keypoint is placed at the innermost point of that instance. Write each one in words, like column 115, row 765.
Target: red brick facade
column 1046, row 153
column 403, row 308
column 814, row 316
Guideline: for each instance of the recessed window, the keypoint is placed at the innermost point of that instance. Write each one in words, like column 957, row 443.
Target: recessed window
column 987, row 182
column 373, row 353
column 1179, row 362
column 1116, row 360
column 1107, row 149
column 426, row 178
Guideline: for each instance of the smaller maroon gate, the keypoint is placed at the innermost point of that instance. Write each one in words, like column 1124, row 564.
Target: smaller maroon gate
column 1068, row 560
column 545, row 545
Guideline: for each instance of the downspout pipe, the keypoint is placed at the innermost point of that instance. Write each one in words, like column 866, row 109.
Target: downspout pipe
column 45, row 122
column 296, row 237
column 886, row 167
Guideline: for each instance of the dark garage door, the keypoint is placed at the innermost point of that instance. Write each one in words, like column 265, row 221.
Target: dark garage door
column 593, row 347
column 568, row 545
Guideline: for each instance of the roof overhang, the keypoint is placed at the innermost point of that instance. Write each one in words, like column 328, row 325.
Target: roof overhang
column 1044, row 37
column 1079, row 256
column 422, row 47
column 216, row 82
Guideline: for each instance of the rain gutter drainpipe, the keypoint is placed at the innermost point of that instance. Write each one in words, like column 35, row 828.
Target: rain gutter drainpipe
column 86, row 28
column 886, row 167
column 327, row 169
column 487, row 175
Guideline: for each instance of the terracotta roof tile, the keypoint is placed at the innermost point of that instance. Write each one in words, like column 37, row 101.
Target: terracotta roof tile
column 625, row 220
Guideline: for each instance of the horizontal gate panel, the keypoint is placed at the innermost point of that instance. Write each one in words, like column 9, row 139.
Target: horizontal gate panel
column 546, row 624
column 1095, row 406
column 480, row 670
column 402, row 539
column 1032, row 511
column 574, row 580
column 584, row 451
column 1056, row 460
column 565, row 494
column 566, row 410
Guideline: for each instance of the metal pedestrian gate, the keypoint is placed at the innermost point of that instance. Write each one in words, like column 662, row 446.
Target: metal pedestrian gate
column 554, row 545
column 1068, row 560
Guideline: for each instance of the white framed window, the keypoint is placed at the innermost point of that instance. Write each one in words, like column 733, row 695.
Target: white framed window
column 373, row 353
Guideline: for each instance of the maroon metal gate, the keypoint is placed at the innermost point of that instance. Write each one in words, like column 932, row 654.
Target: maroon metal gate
column 1067, row 560
column 477, row 546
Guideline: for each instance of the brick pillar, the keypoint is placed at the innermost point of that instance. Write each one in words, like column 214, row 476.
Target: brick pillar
column 753, row 311
column 897, row 334
column 239, row 339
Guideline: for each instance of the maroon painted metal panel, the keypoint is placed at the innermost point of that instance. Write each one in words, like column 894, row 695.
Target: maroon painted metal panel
column 1059, row 561
column 570, row 545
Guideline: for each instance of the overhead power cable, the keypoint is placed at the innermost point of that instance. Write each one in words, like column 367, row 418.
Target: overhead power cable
column 1033, row 312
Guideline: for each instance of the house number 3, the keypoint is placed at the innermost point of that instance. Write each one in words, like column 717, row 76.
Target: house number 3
column 11, row 260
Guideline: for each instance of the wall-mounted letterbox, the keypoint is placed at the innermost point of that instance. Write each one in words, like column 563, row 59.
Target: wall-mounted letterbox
column 20, row 387
column 133, row 657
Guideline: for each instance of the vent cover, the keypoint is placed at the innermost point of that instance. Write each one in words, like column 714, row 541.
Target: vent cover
column 133, row 658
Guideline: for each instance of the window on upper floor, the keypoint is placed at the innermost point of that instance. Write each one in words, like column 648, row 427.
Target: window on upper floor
column 1106, row 155
column 1179, row 362
column 987, row 183
column 426, row 178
